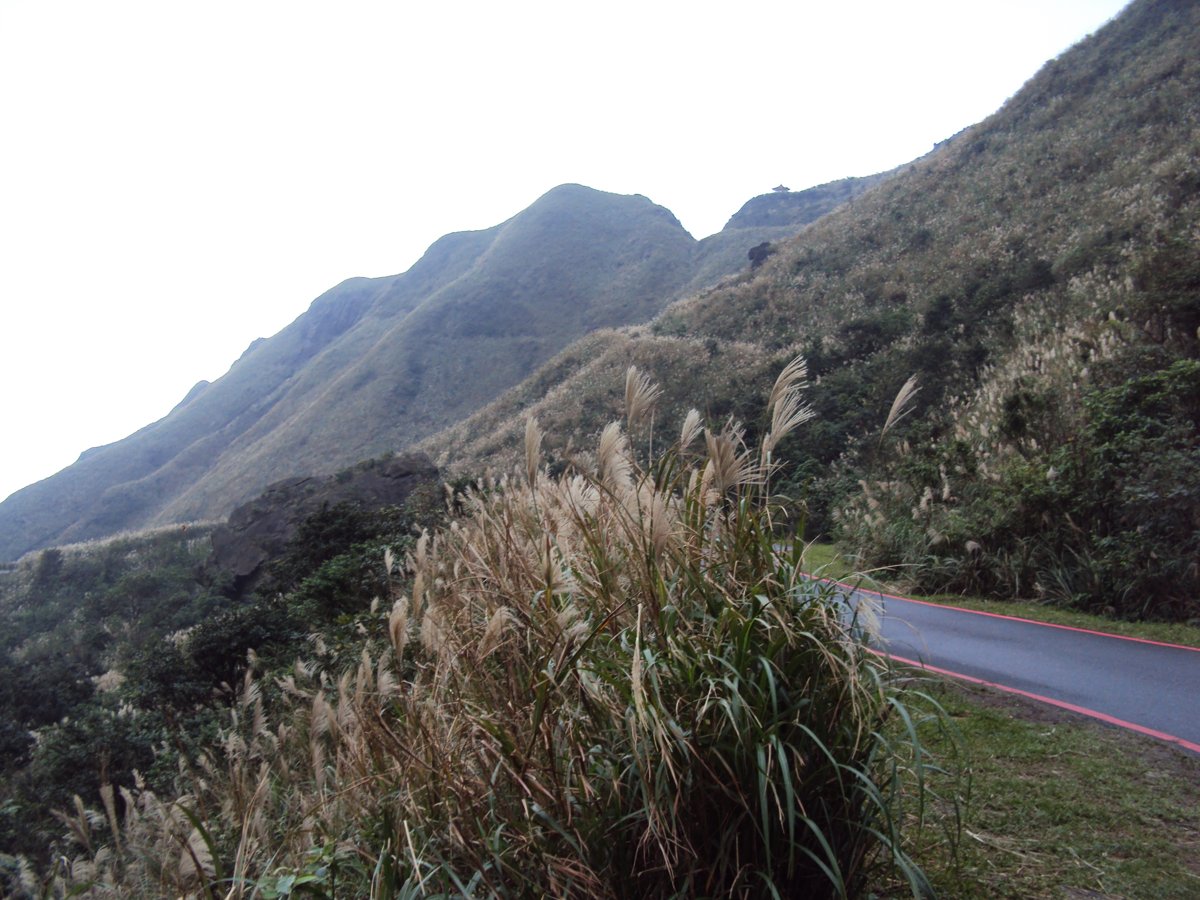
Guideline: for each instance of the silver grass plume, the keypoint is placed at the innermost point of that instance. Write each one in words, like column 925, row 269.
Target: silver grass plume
column 398, row 626
column 533, row 450
column 729, row 464
column 195, row 859
column 613, row 467
column 385, row 681
column 493, row 632
column 635, row 675
column 902, row 405
column 692, row 426
column 794, row 374
column 788, row 409
column 110, row 809
column 640, row 395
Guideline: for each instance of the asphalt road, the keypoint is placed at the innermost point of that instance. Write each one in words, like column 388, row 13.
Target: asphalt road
column 1145, row 686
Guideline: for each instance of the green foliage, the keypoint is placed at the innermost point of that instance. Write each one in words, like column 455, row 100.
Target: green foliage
column 1108, row 520
column 1132, row 484
column 866, row 335
column 318, row 877
column 101, row 745
column 69, row 618
column 1169, row 279
column 192, row 671
column 332, row 565
column 49, row 568
column 330, row 569
column 343, row 584
column 328, row 532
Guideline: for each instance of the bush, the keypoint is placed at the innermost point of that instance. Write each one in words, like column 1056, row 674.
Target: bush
column 615, row 685
column 1107, row 520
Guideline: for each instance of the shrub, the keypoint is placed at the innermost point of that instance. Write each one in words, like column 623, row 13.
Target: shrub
column 1104, row 520
column 598, row 685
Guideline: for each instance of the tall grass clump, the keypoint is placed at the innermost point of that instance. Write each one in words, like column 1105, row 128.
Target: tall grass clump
column 613, row 683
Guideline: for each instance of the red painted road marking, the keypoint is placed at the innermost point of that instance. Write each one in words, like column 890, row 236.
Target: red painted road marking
column 1062, row 704
column 1095, row 714
column 977, row 612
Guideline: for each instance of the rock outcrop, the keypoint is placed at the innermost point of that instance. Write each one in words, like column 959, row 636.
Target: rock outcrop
column 793, row 208
column 260, row 530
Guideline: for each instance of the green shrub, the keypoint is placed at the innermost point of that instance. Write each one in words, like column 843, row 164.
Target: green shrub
column 1107, row 520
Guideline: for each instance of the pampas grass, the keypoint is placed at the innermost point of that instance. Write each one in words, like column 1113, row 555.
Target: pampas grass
column 693, row 425
column 605, row 684
column 533, row 450
column 640, row 396
column 786, row 405
column 902, row 405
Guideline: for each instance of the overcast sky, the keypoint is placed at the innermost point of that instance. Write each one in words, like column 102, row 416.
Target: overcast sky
column 178, row 179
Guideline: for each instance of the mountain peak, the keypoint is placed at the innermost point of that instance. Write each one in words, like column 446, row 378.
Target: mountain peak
column 376, row 364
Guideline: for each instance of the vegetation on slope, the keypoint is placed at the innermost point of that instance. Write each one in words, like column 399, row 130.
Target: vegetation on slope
column 317, row 775
column 722, row 379
column 71, row 620
column 119, row 656
column 1039, row 274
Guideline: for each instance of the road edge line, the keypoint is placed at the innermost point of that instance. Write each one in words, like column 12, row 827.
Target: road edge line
column 980, row 612
column 1062, row 704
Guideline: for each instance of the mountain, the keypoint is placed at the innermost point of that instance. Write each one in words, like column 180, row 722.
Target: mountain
column 1039, row 273
column 378, row 363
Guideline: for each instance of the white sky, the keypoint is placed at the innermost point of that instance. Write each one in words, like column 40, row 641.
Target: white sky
column 177, row 179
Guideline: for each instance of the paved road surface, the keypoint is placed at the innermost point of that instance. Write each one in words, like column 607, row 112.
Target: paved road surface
column 1146, row 686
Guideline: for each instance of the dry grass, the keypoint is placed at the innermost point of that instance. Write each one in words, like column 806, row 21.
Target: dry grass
column 604, row 684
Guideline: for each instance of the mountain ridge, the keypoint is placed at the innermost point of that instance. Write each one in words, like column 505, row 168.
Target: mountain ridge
column 1040, row 275
column 375, row 364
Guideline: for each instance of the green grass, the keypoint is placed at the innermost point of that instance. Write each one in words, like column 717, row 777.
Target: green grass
column 1061, row 806
column 827, row 561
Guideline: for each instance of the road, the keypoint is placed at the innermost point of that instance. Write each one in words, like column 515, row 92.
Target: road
column 1145, row 686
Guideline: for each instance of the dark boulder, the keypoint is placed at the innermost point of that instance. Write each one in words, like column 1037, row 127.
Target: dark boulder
column 260, row 530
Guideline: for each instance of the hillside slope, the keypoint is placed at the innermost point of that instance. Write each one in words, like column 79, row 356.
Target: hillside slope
column 1045, row 256
column 376, row 364
column 1049, row 206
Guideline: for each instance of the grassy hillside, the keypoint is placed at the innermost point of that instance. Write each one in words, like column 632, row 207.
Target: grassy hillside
column 719, row 378
column 118, row 656
column 1039, row 275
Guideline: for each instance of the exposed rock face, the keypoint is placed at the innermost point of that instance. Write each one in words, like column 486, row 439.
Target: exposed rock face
column 260, row 530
